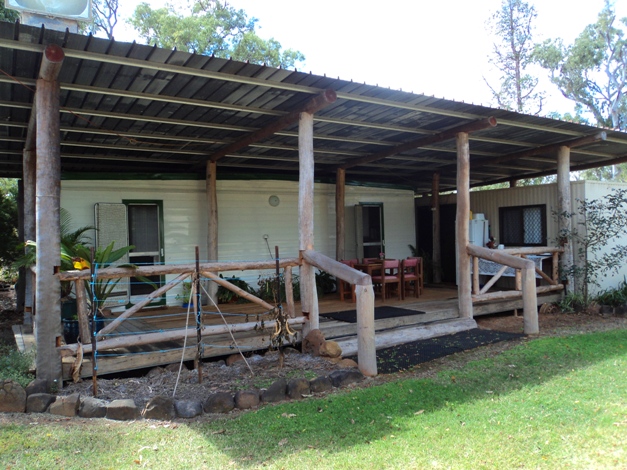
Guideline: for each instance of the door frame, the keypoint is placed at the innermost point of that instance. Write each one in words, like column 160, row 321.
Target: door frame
column 359, row 232
column 159, row 204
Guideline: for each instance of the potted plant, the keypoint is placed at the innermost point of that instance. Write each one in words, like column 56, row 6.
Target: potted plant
column 185, row 296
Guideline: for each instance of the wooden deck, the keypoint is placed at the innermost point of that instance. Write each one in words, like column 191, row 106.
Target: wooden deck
column 439, row 304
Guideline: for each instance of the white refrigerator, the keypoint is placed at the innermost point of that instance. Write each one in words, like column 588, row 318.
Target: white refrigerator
column 479, row 232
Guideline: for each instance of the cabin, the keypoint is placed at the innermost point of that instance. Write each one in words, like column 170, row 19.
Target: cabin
column 206, row 165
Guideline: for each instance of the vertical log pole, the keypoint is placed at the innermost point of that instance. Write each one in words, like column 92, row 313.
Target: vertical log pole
column 29, row 173
column 94, row 325
column 475, row 275
column 212, row 229
column 83, row 314
column 289, row 292
column 463, row 215
column 20, row 288
column 340, row 224
column 564, row 224
column 437, row 247
column 530, row 302
column 366, row 345
column 47, row 222
column 309, row 299
column 197, row 311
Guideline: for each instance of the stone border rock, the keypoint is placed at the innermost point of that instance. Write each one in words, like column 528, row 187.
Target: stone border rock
column 34, row 399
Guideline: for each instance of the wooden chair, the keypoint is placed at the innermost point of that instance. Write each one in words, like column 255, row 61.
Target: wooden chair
column 420, row 273
column 391, row 274
column 411, row 277
column 345, row 288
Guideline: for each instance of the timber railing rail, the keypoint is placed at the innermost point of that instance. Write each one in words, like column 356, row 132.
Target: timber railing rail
column 362, row 281
column 525, row 275
column 366, row 349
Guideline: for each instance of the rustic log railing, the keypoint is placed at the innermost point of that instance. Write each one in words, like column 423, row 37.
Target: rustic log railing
column 526, row 271
column 366, row 349
column 365, row 302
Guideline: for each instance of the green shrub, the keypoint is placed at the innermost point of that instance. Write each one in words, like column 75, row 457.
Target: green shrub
column 613, row 297
column 15, row 365
column 226, row 296
column 572, row 303
column 267, row 288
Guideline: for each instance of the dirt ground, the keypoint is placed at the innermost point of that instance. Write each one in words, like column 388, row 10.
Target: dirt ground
column 260, row 371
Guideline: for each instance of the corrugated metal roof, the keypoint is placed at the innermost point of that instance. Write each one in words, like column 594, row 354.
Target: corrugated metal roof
column 129, row 108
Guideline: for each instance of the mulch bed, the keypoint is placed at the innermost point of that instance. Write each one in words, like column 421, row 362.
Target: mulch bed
column 405, row 356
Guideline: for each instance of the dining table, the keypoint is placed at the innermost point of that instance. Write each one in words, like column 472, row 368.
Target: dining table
column 369, row 268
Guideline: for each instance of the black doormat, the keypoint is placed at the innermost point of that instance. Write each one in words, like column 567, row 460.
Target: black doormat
column 404, row 356
column 350, row 316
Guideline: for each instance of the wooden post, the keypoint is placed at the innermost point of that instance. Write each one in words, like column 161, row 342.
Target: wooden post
column 530, row 302
column 198, row 312
column 289, row 292
column 564, row 224
column 83, row 315
column 20, row 287
column 309, row 299
column 437, row 247
column 47, row 222
column 366, row 345
column 212, row 229
column 29, row 175
column 463, row 215
column 475, row 275
column 340, row 225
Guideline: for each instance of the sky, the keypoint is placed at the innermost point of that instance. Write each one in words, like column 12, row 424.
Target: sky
column 437, row 48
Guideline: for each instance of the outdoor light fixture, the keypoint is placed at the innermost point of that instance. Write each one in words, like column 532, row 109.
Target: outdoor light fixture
column 74, row 9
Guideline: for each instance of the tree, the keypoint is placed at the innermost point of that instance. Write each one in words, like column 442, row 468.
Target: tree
column 8, row 15
column 512, row 54
column 211, row 27
column 104, row 18
column 593, row 70
column 8, row 222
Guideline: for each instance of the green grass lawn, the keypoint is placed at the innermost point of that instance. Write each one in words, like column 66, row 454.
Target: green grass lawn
column 549, row 403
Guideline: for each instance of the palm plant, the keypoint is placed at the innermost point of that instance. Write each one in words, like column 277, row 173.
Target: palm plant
column 70, row 239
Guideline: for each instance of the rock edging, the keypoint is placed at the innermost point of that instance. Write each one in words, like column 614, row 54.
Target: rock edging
column 14, row 398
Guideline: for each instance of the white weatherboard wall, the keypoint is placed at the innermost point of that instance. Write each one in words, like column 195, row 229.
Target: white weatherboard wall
column 245, row 216
column 488, row 202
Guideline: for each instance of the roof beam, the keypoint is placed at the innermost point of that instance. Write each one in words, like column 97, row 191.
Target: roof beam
column 428, row 140
column 589, row 139
column 311, row 106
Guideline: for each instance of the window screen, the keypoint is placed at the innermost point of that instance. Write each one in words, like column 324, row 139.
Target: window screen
column 143, row 223
column 523, row 225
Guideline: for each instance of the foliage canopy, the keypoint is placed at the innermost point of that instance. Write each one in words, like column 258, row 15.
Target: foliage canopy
column 593, row 70
column 211, row 27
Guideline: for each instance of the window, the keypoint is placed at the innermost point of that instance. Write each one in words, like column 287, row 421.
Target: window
column 523, row 225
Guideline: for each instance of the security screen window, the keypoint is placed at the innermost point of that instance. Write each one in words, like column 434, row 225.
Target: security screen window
column 523, row 225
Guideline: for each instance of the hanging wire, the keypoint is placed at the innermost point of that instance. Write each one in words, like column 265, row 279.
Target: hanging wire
column 178, row 375
column 239, row 350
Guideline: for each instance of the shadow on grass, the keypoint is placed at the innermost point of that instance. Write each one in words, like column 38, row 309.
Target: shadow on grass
column 358, row 417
